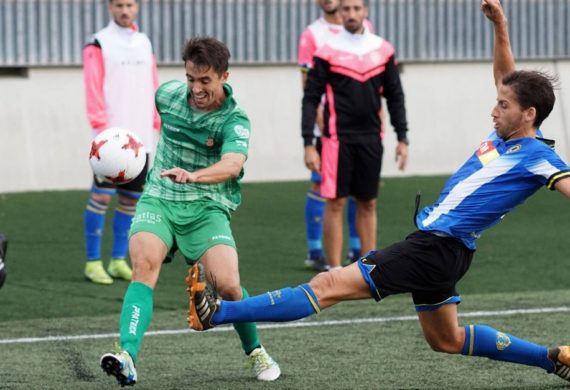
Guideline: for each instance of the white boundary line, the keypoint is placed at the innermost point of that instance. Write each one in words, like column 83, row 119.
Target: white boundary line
column 295, row 324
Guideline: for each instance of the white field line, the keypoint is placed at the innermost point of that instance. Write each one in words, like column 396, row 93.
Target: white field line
column 295, row 324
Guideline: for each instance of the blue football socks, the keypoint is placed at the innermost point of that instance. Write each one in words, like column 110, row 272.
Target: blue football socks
column 353, row 238
column 94, row 220
column 482, row 340
column 314, row 209
column 287, row 304
column 121, row 226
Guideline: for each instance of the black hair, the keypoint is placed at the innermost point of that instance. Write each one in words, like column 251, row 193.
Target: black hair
column 207, row 52
column 533, row 89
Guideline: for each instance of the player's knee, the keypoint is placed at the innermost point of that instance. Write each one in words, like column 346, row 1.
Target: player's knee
column 447, row 344
column 368, row 206
column 101, row 198
column 143, row 266
column 230, row 292
column 323, row 285
column 335, row 206
column 145, row 263
column 128, row 200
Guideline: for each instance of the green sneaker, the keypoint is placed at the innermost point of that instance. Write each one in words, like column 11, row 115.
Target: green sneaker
column 119, row 269
column 95, row 272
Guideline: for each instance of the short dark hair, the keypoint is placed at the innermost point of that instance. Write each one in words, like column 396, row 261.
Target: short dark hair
column 366, row 3
column 207, row 52
column 533, row 89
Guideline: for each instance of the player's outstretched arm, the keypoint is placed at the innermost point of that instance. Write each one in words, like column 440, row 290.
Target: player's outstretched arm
column 563, row 186
column 229, row 167
column 503, row 61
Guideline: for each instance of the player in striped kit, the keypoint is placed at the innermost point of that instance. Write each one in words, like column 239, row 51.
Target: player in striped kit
column 191, row 191
column 508, row 167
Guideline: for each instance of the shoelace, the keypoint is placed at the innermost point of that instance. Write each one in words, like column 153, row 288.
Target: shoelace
column 260, row 361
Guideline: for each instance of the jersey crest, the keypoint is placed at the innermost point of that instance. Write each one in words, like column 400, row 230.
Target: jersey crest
column 487, row 152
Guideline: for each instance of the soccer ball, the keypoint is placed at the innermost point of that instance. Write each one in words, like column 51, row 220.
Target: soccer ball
column 117, row 155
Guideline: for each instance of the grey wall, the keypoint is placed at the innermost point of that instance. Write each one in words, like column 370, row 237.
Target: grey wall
column 45, row 136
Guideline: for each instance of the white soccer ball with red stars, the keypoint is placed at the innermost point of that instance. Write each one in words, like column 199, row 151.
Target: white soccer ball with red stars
column 117, row 155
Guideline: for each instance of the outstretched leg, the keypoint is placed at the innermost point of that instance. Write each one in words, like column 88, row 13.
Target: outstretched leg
column 443, row 334
column 324, row 290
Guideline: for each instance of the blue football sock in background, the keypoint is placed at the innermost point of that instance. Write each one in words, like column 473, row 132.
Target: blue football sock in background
column 94, row 220
column 314, row 209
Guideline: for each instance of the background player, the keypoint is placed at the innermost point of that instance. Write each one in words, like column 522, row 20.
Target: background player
column 3, row 250
column 313, row 37
column 120, row 79
column 355, row 68
column 506, row 169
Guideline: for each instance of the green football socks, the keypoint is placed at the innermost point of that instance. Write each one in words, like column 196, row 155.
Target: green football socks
column 135, row 317
column 247, row 331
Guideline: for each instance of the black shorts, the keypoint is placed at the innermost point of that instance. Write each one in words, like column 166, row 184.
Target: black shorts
column 426, row 265
column 350, row 169
column 135, row 186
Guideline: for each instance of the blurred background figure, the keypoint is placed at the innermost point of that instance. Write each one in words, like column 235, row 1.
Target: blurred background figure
column 120, row 77
column 3, row 249
column 326, row 27
column 355, row 69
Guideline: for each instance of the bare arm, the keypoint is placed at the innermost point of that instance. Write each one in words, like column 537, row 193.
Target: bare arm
column 229, row 167
column 503, row 61
column 563, row 186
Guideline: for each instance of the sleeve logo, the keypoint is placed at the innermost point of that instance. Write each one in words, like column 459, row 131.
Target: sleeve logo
column 241, row 131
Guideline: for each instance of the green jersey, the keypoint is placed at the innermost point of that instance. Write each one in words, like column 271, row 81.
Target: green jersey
column 193, row 140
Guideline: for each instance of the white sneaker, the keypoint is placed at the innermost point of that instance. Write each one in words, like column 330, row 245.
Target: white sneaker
column 263, row 366
column 121, row 366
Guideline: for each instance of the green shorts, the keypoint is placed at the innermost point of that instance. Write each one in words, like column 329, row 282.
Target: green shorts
column 193, row 227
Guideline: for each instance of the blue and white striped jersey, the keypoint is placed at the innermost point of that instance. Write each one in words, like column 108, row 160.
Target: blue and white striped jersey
column 499, row 176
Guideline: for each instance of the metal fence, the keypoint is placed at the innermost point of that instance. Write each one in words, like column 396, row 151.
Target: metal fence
column 52, row 32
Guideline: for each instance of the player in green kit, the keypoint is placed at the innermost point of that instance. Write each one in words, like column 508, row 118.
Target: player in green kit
column 189, row 194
